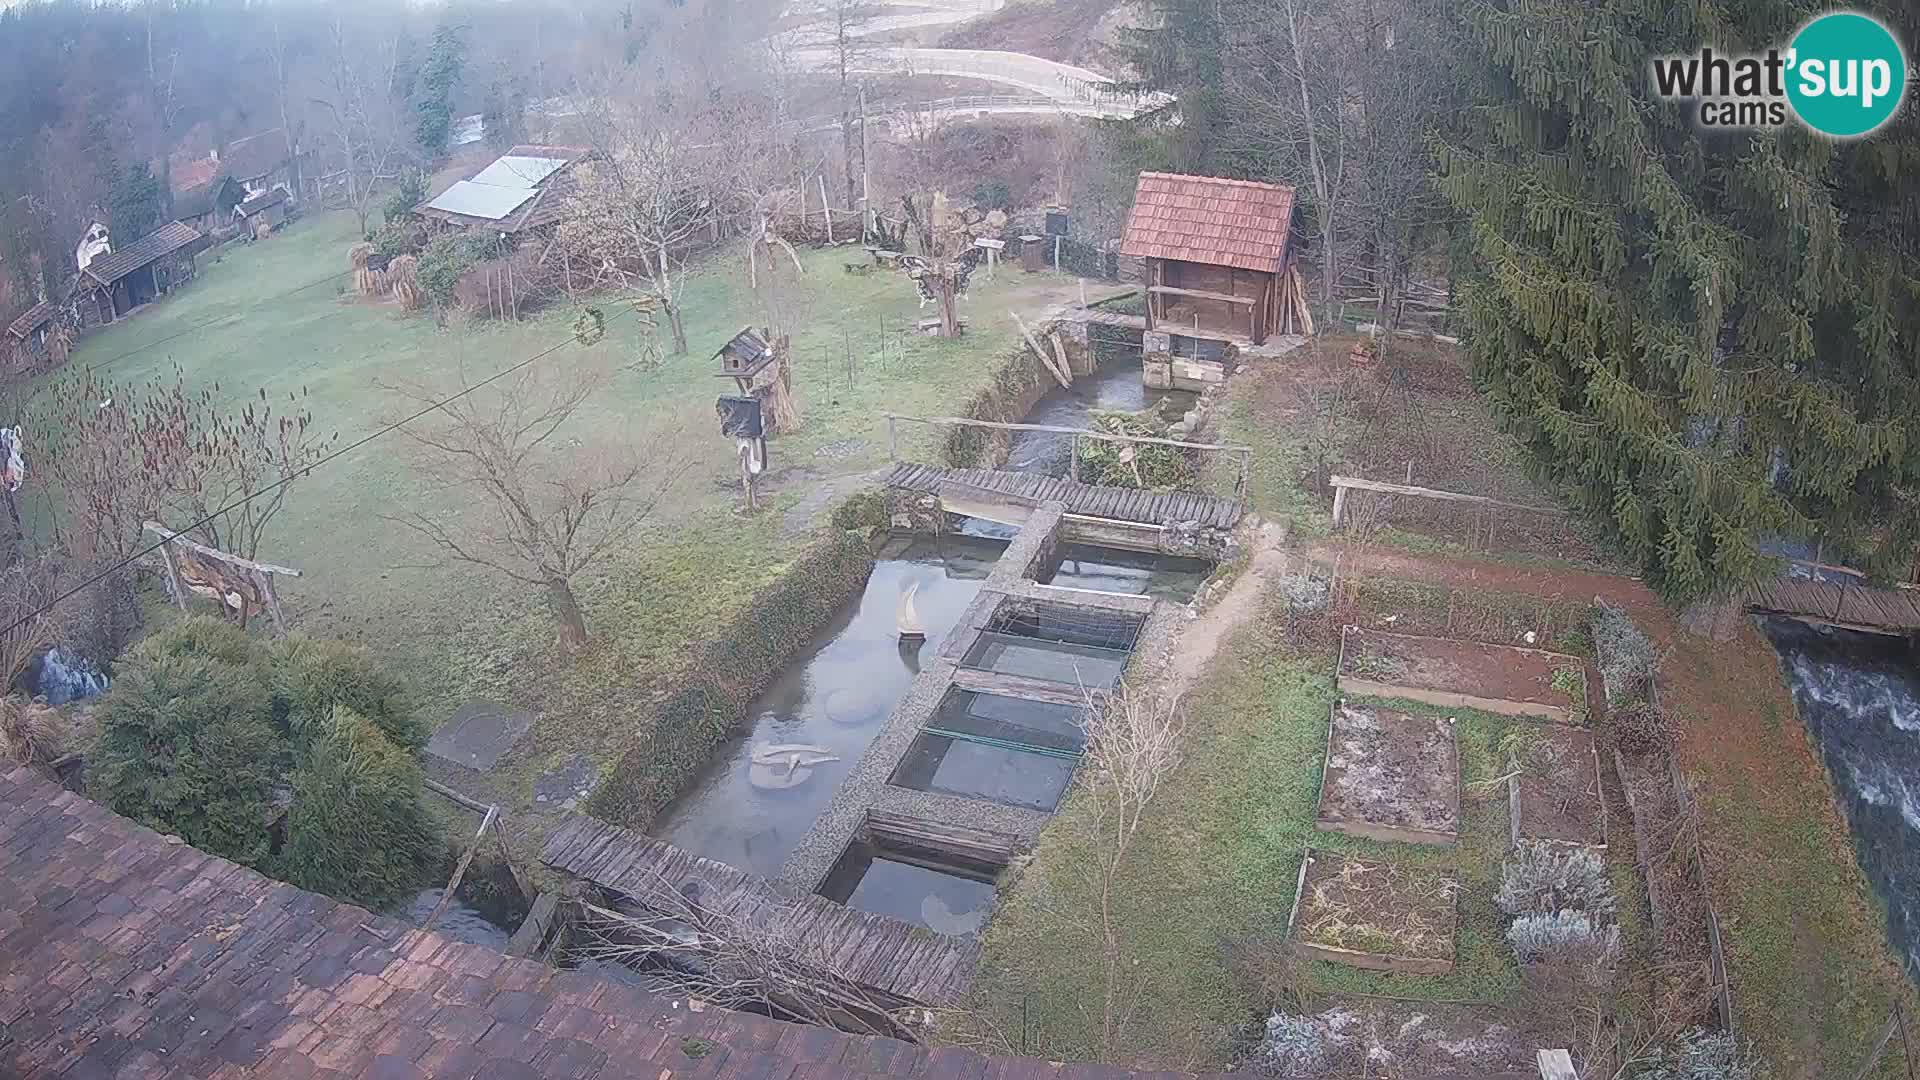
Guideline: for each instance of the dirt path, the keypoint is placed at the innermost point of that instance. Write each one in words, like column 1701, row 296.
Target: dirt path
column 1195, row 646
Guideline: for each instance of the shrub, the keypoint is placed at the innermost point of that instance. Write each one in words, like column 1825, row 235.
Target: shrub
column 1627, row 658
column 411, row 192
column 1152, row 467
column 1564, row 937
column 1541, row 878
column 1641, row 727
column 742, row 658
column 185, row 745
column 862, row 512
column 312, row 676
column 447, row 258
column 357, row 829
column 1700, row 1055
column 397, row 238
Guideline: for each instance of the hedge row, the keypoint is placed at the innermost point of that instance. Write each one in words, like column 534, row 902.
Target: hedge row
column 728, row 673
column 1017, row 385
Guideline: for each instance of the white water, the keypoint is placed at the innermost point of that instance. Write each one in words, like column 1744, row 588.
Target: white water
column 1859, row 695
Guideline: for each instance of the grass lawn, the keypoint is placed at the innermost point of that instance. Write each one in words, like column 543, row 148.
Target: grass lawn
column 462, row 632
column 1216, row 863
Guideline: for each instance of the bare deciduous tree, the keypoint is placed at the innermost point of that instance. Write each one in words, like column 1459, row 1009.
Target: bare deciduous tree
column 547, row 511
column 1132, row 745
column 364, row 104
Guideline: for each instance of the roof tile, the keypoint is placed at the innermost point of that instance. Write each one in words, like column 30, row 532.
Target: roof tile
column 1204, row 219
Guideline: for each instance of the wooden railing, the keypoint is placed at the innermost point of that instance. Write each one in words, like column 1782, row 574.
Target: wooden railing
column 1342, row 484
column 1245, row 452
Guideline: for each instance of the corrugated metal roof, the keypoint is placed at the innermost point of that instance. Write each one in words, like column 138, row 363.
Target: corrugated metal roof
column 1206, row 219
column 487, row 201
column 520, row 172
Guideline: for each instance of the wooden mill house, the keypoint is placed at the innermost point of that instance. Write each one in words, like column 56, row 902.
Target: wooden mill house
column 1218, row 263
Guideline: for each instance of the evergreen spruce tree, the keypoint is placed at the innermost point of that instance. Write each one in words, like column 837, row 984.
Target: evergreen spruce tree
column 1709, row 340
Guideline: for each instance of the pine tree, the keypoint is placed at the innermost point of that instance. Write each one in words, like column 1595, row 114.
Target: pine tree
column 1708, row 340
column 439, row 78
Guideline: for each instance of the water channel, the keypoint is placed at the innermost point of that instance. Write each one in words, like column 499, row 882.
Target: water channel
column 1859, row 695
column 760, row 794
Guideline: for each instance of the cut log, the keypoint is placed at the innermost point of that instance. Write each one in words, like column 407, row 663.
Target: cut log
column 1063, row 378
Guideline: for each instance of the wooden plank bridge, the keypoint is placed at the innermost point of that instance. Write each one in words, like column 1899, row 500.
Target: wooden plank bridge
column 882, row 954
column 1088, row 500
column 1842, row 604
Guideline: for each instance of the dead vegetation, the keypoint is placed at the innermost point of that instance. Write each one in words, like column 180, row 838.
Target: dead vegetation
column 1386, row 909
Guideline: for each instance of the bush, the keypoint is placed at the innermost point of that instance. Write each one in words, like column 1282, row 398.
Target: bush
column 1541, row 878
column 1564, row 937
column 1641, row 727
column 447, row 258
column 862, row 512
column 399, row 205
column 1627, row 658
column 357, row 829
column 185, row 744
column 312, row 676
column 397, row 238
column 1151, row 467
column 743, row 658
column 1700, row 1055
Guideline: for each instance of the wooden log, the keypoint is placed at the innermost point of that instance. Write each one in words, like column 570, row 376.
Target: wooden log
column 1063, row 378
column 460, row 871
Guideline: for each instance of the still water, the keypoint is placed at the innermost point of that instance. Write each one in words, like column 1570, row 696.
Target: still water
column 1859, row 695
column 832, row 699
column 1116, row 387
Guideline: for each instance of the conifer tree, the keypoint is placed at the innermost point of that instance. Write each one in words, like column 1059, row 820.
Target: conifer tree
column 1707, row 339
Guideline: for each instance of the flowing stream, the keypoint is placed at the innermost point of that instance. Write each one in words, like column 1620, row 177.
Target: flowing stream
column 1859, row 695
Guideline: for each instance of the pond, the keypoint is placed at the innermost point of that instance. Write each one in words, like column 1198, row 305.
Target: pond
column 1859, row 695
column 824, row 709
column 1105, row 569
column 461, row 921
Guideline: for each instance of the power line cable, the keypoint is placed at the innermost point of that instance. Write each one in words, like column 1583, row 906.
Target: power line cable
column 284, row 481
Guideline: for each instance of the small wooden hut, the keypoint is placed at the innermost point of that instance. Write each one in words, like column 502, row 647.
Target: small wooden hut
column 1218, row 256
column 29, row 338
column 116, row 282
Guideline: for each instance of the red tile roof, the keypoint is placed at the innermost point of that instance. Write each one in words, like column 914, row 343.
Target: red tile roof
column 128, row 954
column 1205, row 219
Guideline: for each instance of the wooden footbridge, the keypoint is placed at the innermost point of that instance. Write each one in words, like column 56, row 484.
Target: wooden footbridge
column 899, row 960
column 1006, row 497
column 1847, row 604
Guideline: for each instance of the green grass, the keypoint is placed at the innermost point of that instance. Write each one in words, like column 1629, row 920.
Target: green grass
column 1216, row 862
column 463, row 633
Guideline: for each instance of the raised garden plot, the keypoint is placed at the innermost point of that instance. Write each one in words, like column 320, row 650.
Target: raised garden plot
column 1463, row 674
column 1555, row 792
column 1376, row 915
column 1390, row 775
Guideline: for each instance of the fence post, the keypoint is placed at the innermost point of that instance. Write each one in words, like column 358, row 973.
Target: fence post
column 1339, row 505
column 892, row 454
column 1246, row 468
column 1073, row 457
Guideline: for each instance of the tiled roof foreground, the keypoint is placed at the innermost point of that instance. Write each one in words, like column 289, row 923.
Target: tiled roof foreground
column 127, row 954
column 1206, row 219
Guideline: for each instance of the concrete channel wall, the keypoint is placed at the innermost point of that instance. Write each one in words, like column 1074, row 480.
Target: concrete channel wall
column 867, row 788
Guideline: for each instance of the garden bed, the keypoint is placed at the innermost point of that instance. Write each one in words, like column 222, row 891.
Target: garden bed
column 1465, row 674
column 1390, row 775
column 1376, row 915
column 1555, row 794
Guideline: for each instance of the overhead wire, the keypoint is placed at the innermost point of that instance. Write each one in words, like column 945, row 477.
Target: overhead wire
column 284, row 481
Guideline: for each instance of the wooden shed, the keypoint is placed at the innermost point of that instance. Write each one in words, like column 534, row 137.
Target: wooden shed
column 116, row 282
column 260, row 215
column 1217, row 254
column 28, row 341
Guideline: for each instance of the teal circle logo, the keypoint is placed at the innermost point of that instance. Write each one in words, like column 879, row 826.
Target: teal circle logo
column 1846, row 74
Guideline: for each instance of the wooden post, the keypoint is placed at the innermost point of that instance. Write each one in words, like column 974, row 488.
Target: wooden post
column 273, row 603
column 460, row 871
column 824, row 208
column 1073, row 457
column 893, row 452
column 1246, row 469
column 1339, row 505
column 173, row 575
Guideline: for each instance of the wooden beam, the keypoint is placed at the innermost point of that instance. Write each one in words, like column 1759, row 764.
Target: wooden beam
column 1340, row 482
column 1019, row 686
column 1201, row 294
column 214, row 553
column 460, row 871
